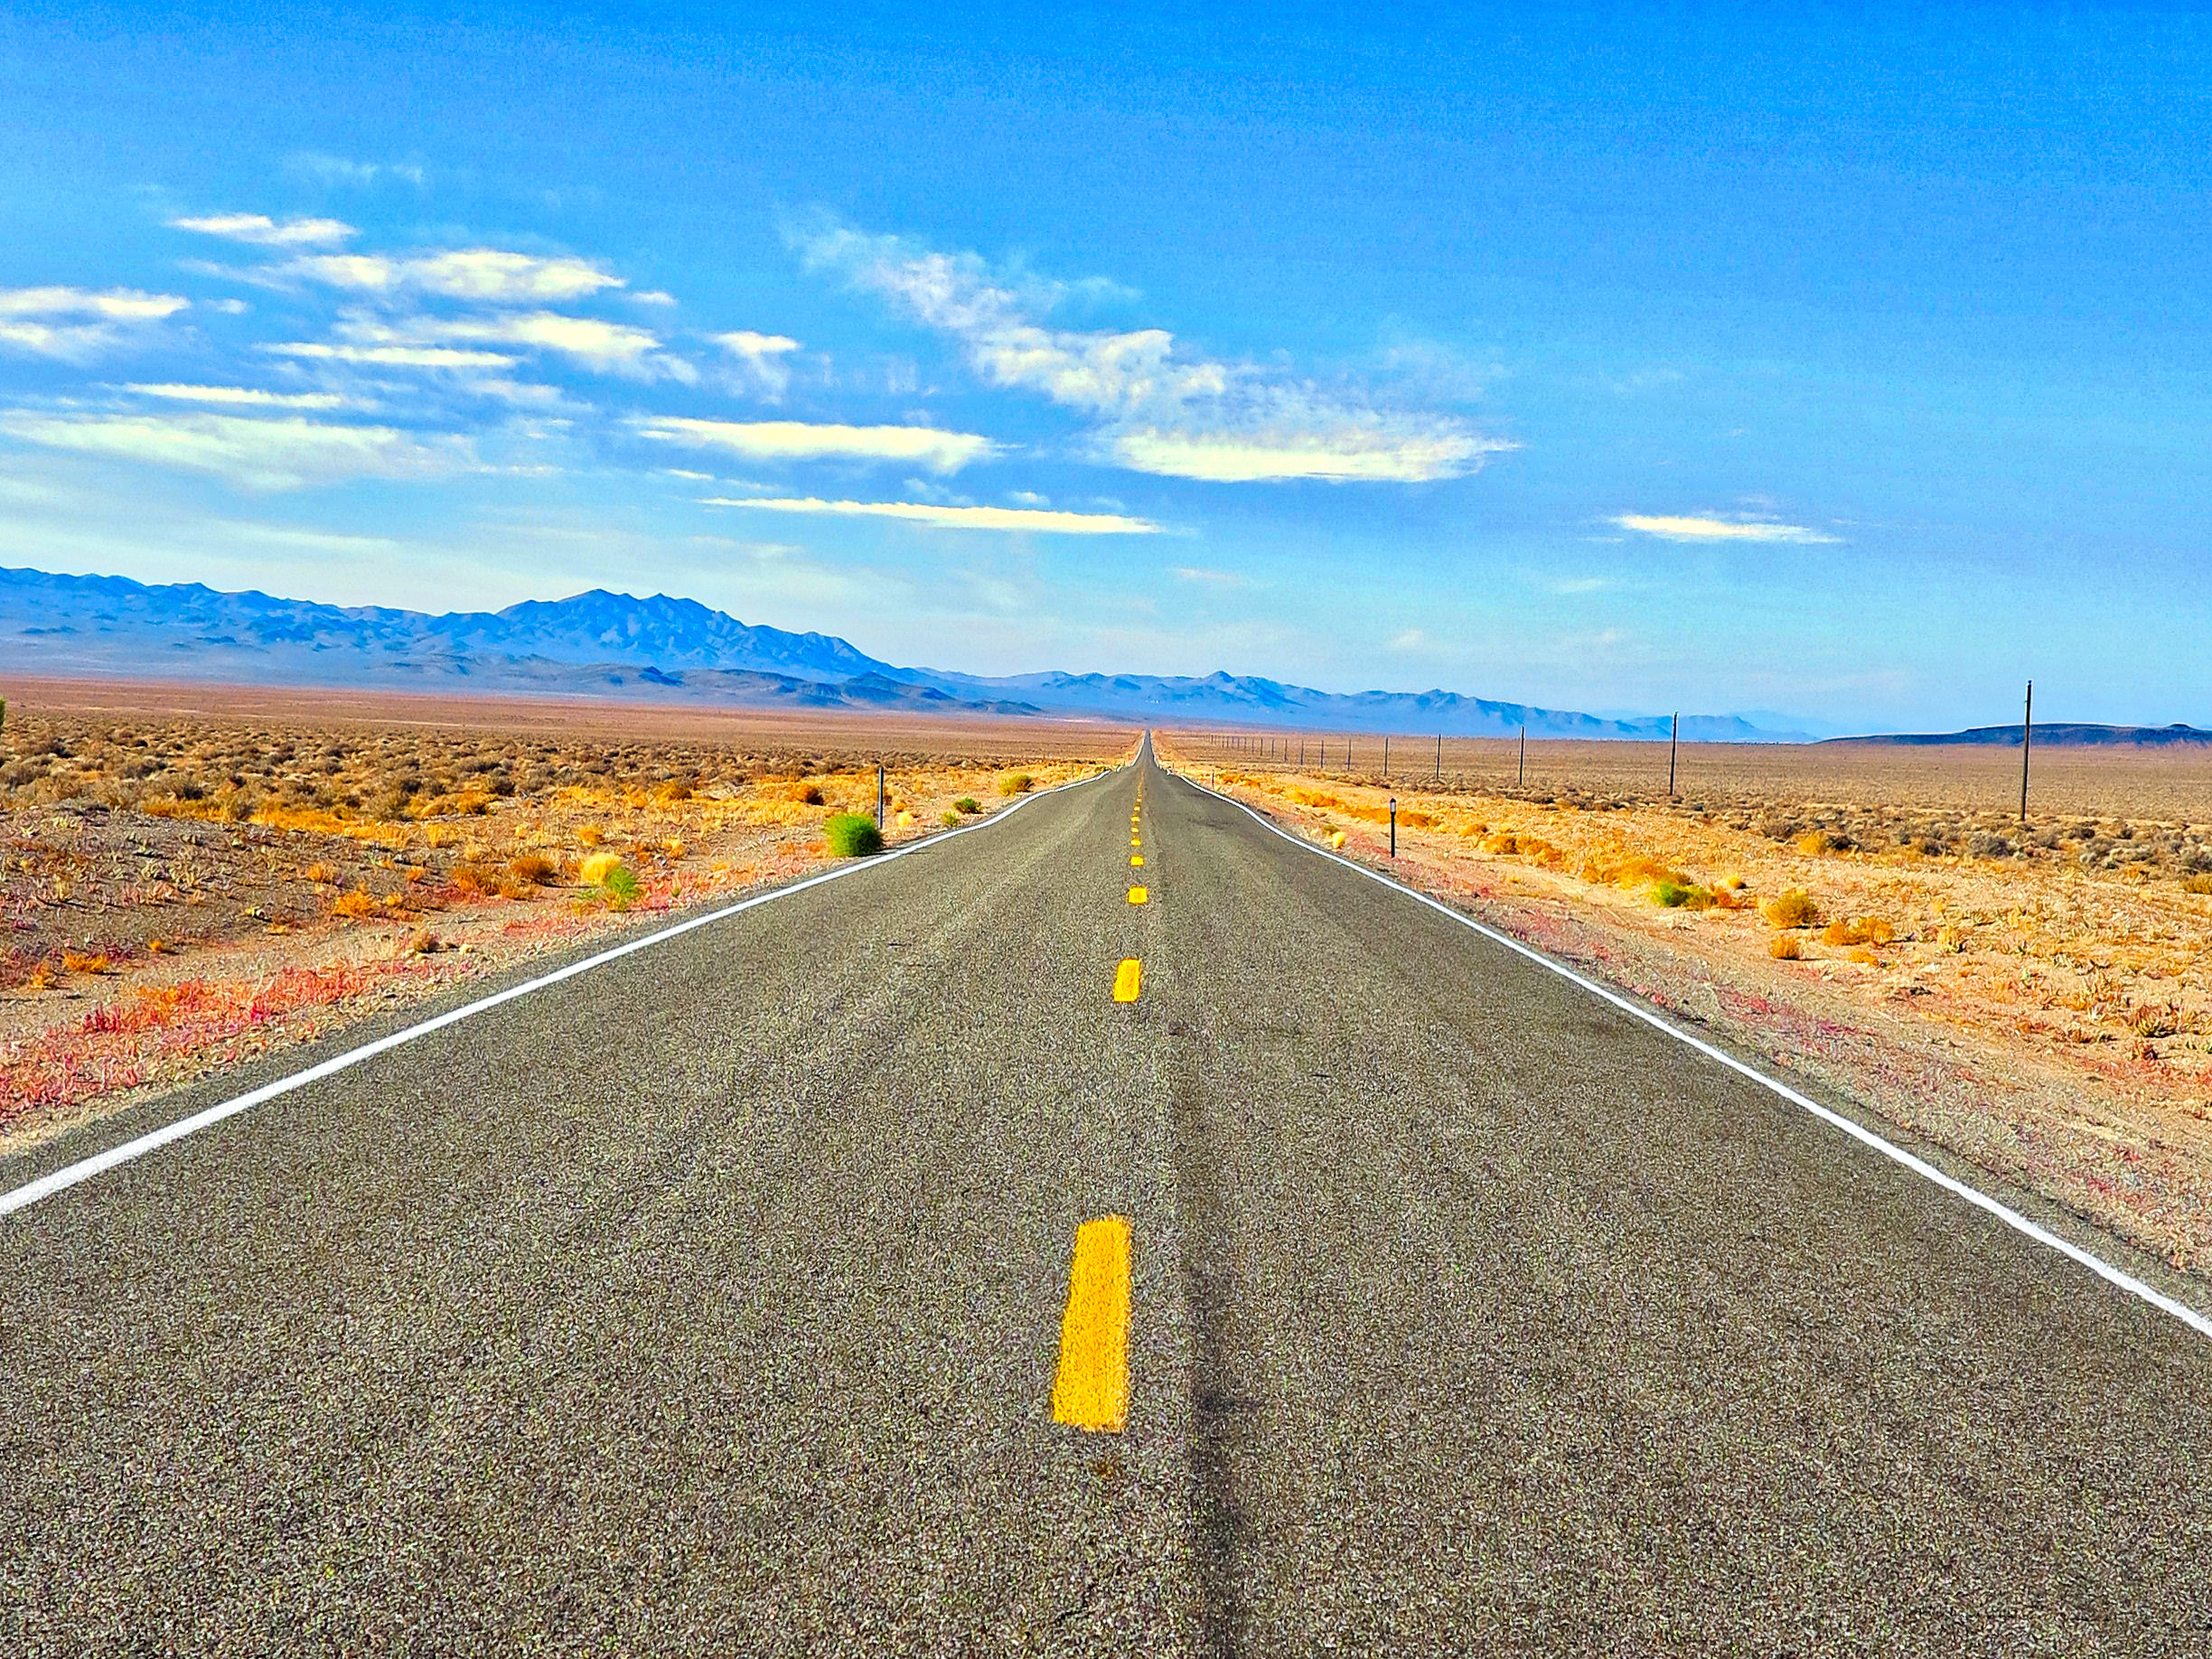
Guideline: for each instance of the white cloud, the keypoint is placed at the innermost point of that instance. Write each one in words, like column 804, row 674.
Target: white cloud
column 239, row 395
column 1212, row 579
column 489, row 275
column 1161, row 410
column 287, row 453
column 761, row 356
column 1348, row 447
column 794, row 440
column 391, row 356
column 957, row 518
column 1411, row 639
column 1702, row 527
column 263, row 231
column 72, row 322
column 615, row 348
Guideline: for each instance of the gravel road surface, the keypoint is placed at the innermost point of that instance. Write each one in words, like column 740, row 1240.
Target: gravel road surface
column 710, row 1301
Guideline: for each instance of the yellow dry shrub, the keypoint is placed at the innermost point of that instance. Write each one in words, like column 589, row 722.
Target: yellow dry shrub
column 1865, row 956
column 596, row 869
column 1336, row 839
column 533, row 867
column 675, row 847
column 1794, row 908
column 441, row 835
column 1413, row 817
column 356, row 904
column 589, row 835
column 1850, row 932
column 1785, row 948
column 321, row 875
column 1813, row 843
column 1504, row 841
column 72, row 962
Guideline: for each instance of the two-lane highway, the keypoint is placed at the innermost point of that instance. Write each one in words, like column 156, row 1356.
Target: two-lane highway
column 722, row 1298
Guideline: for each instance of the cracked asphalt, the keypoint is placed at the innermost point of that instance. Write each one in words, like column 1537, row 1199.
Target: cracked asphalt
column 709, row 1302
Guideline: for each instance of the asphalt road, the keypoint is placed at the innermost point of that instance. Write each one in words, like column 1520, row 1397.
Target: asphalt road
column 711, row 1301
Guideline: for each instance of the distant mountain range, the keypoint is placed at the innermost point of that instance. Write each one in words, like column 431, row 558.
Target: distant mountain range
column 2058, row 735
column 602, row 644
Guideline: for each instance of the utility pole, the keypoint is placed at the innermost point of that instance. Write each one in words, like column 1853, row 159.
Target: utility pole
column 1521, row 777
column 1439, row 757
column 879, row 799
column 2027, row 742
column 1673, row 743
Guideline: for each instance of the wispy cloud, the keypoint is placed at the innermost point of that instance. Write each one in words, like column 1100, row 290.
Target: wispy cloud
column 72, row 322
column 929, row 447
column 390, row 356
column 761, row 358
column 956, row 518
column 1161, row 409
column 487, row 276
column 287, row 453
column 1212, row 579
column 608, row 348
column 263, row 231
column 339, row 170
column 1706, row 527
column 243, row 395
column 1411, row 640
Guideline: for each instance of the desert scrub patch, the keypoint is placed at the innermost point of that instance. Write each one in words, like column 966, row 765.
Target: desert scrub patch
column 596, row 869
column 949, row 820
column 967, row 804
column 1016, row 784
column 355, row 904
column 1794, row 908
column 848, row 835
column 1785, row 948
column 1681, row 895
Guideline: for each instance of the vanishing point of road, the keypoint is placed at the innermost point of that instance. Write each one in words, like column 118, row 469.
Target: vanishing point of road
column 1011, row 1247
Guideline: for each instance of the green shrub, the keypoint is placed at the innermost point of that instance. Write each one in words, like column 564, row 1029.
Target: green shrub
column 1017, row 783
column 851, row 836
column 967, row 804
column 950, row 819
column 621, row 887
column 1680, row 895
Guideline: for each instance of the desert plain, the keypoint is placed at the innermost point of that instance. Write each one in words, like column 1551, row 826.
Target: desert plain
column 195, row 875
column 2032, row 998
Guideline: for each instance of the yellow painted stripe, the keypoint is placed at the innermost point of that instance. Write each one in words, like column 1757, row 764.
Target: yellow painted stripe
column 1092, row 1390
column 1136, row 858
column 1135, row 842
column 1127, row 980
column 1138, row 895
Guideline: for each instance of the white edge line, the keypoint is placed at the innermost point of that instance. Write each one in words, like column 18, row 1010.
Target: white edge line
column 2011, row 1218
column 22, row 1198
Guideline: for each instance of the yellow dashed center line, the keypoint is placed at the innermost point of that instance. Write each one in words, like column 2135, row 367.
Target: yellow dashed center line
column 1092, row 1390
column 1127, row 980
column 1136, row 858
column 1138, row 895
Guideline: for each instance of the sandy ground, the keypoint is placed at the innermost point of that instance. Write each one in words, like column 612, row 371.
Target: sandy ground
column 2046, row 1016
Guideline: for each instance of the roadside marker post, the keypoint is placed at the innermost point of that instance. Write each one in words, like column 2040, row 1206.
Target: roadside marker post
column 1394, row 826
column 2027, row 741
column 1673, row 743
column 1521, row 777
column 879, row 799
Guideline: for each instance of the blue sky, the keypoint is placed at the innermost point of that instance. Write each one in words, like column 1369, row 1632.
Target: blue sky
column 1625, row 358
